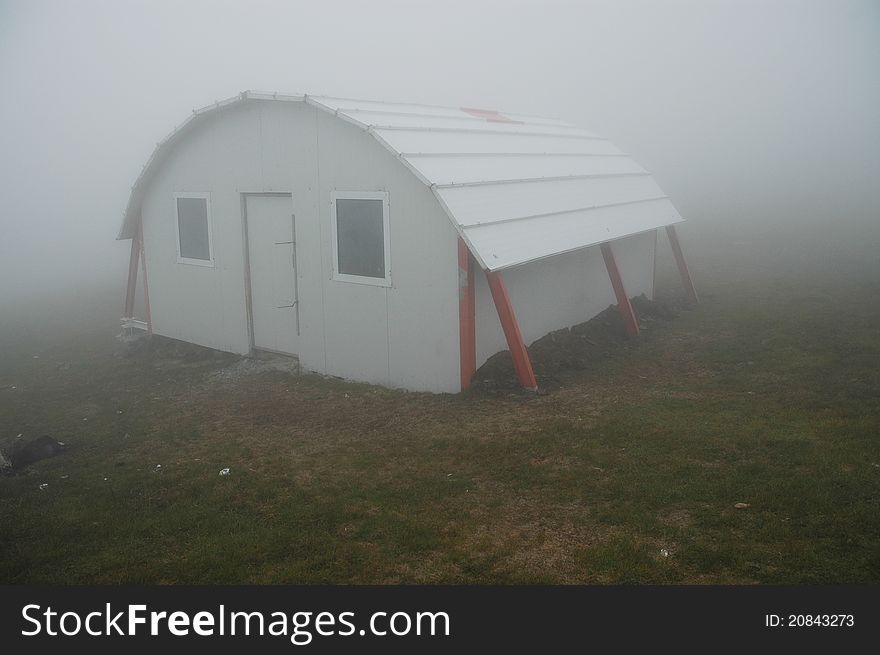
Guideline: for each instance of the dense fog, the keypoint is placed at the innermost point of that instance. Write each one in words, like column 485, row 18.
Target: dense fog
column 753, row 116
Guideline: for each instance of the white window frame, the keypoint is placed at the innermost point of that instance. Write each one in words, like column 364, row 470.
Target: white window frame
column 190, row 260
column 386, row 233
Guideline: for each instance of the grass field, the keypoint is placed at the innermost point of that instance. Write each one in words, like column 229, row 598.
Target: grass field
column 767, row 393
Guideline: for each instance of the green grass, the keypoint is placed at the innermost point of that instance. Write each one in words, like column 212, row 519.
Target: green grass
column 768, row 393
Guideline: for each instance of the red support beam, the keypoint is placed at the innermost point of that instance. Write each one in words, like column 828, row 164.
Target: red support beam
column 131, row 287
column 467, row 324
column 521, row 362
column 623, row 304
column 144, row 273
column 682, row 264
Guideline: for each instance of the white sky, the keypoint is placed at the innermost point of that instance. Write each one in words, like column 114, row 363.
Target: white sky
column 745, row 111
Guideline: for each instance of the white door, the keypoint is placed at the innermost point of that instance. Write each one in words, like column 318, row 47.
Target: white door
column 272, row 262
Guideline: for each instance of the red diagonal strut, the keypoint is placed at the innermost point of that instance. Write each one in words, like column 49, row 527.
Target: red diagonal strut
column 623, row 304
column 521, row 362
column 682, row 264
column 131, row 287
column 467, row 336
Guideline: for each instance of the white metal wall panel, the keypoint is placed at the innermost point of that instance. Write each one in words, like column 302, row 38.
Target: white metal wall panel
column 507, row 244
column 400, row 121
column 404, row 116
column 443, row 171
column 473, row 205
column 420, row 141
column 348, row 105
column 478, row 126
column 450, row 118
column 562, row 291
column 203, row 304
column 405, row 335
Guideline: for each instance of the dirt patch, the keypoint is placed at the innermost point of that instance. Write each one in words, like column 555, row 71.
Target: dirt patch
column 675, row 518
column 158, row 348
column 171, row 355
column 573, row 349
column 243, row 367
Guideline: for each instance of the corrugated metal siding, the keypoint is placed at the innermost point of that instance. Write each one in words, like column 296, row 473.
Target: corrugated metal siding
column 517, row 188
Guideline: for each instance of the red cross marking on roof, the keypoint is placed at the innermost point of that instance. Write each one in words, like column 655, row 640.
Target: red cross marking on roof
column 490, row 115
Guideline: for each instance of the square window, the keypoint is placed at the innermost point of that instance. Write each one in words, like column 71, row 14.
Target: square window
column 360, row 238
column 193, row 229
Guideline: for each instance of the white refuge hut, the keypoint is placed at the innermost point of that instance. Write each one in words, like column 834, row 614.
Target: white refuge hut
column 349, row 233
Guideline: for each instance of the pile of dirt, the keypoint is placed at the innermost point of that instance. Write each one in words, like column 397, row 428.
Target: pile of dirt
column 658, row 309
column 572, row 349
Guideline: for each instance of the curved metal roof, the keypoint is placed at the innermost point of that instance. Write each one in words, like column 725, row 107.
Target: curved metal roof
column 517, row 188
